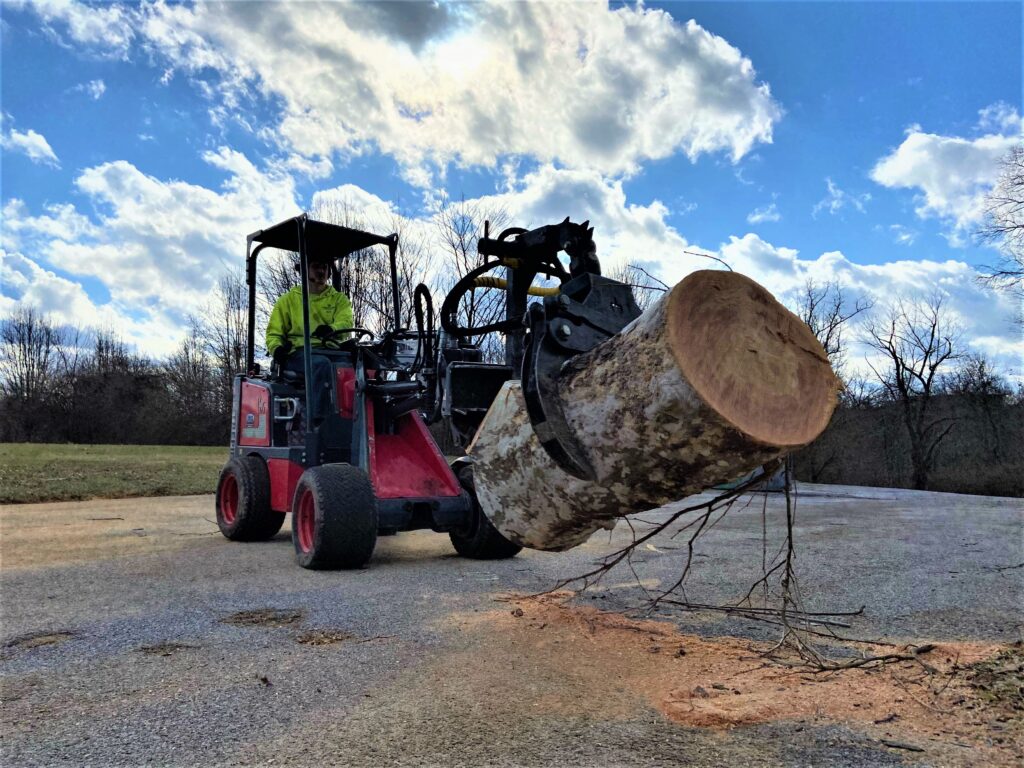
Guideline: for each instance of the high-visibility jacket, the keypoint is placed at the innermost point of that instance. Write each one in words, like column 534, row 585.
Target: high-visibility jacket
column 329, row 307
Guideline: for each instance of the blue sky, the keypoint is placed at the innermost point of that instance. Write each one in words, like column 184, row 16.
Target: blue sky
column 824, row 141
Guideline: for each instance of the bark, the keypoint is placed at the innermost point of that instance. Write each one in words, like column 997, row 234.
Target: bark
column 711, row 382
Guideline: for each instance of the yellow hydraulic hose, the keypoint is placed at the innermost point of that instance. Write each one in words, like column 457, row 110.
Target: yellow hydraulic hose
column 498, row 282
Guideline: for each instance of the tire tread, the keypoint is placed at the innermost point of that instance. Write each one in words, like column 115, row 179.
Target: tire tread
column 254, row 519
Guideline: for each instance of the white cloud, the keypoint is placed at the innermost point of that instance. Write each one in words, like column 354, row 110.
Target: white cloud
column 431, row 84
column 61, row 221
column 767, row 213
column 106, row 30
column 950, row 173
column 31, row 144
column 158, row 246
column 65, row 300
column 836, row 199
column 94, row 88
column 153, row 333
column 903, row 235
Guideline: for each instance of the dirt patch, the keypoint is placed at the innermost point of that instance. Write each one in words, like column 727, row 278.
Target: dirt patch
column 605, row 662
column 264, row 617
column 323, row 637
column 63, row 533
column 36, row 640
column 164, row 649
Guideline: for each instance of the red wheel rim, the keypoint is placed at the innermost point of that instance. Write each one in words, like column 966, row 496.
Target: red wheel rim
column 306, row 517
column 229, row 499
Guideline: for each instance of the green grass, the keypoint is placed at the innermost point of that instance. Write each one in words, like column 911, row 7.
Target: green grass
column 31, row 472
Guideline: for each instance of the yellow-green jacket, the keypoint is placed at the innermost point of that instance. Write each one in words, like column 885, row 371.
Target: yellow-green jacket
column 329, row 307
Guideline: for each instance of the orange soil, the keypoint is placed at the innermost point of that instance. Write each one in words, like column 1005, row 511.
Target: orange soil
column 722, row 683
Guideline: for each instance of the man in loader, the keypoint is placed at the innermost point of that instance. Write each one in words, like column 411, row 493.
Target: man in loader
column 329, row 311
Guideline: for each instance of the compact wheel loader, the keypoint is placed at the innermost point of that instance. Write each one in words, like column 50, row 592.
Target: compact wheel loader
column 369, row 466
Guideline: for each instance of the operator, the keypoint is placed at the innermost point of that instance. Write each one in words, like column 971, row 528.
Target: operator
column 329, row 311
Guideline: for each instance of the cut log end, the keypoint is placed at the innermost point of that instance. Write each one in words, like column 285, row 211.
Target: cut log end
column 750, row 359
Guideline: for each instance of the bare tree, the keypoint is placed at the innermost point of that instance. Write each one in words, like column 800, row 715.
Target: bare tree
column 827, row 311
column 985, row 392
column 190, row 377
column 459, row 225
column 29, row 348
column 916, row 339
column 415, row 260
column 222, row 328
column 1004, row 225
column 192, row 386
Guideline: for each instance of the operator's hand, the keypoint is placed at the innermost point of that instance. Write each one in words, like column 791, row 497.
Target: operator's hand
column 281, row 355
column 323, row 332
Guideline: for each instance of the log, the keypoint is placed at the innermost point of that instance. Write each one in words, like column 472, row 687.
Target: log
column 711, row 382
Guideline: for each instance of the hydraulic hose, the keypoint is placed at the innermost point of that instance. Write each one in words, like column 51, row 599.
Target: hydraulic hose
column 486, row 281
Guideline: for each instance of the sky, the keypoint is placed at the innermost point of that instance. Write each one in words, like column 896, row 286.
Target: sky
column 855, row 142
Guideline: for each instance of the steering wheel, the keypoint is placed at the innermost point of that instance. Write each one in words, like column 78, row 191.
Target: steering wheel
column 334, row 339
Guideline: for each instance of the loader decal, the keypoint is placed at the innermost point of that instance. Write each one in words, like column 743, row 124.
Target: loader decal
column 258, row 432
column 254, row 415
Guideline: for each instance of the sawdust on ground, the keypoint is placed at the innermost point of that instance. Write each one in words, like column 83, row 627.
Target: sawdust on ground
column 604, row 662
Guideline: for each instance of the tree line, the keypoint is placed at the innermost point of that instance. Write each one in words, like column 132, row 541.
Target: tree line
column 931, row 413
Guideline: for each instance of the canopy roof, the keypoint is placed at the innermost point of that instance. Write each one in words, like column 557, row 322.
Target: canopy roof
column 323, row 241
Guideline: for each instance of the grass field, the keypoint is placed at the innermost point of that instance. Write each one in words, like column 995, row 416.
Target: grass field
column 32, row 472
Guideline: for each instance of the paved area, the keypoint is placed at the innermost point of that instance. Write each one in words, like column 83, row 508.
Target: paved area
column 133, row 633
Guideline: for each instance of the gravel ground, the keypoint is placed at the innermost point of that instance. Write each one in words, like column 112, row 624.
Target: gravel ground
column 121, row 642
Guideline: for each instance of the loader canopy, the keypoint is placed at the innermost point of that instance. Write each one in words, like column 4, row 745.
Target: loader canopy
column 313, row 241
column 323, row 241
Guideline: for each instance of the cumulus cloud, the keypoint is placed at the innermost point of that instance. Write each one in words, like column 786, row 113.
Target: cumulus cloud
column 64, row 300
column 951, row 174
column 837, row 199
column 154, row 333
column 578, row 84
column 60, row 221
column 766, row 213
column 107, row 30
column 157, row 246
column 31, row 144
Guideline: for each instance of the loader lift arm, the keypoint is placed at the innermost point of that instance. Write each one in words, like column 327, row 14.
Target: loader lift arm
column 585, row 310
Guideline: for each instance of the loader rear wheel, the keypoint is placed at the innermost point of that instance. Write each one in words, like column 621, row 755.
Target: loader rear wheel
column 480, row 540
column 243, row 501
column 334, row 518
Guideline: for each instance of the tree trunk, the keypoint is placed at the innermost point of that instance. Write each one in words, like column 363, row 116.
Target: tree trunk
column 711, row 382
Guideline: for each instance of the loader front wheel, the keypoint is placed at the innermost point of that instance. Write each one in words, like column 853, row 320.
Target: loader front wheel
column 480, row 540
column 334, row 518
column 243, row 501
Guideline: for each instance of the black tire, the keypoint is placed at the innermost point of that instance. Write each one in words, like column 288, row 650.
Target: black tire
column 243, row 501
column 334, row 518
column 481, row 540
